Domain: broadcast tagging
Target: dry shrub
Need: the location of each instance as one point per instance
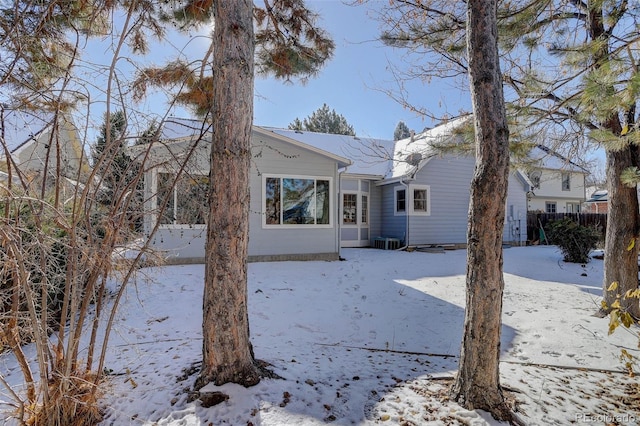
(73, 401)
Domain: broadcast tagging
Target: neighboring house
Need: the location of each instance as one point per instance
(557, 185)
(598, 202)
(37, 143)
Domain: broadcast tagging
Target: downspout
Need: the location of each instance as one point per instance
(407, 215)
(339, 218)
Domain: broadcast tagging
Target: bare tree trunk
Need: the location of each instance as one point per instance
(477, 384)
(227, 351)
(621, 248)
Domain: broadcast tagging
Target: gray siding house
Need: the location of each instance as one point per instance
(425, 201)
(294, 195)
(313, 193)
(360, 199)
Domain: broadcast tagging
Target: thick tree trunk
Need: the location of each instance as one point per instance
(227, 351)
(477, 384)
(620, 263)
(621, 256)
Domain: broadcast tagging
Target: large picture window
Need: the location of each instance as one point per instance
(185, 199)
(297, 201)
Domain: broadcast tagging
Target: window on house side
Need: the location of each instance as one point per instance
(365, 209)
(420, 200)
(401, 200)
(550, 207)
(573, 208)
(566, 181)
(297, 201)
(184, 199)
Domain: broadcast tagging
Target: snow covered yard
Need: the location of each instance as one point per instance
(373, 340)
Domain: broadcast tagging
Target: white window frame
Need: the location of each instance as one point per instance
(357, 212)
(174, 190)
(409, 207)
(549, 203)
(427, 190)
(396, 190)
(332, 199)
(572, 207)
(566, 175)
(364, 210)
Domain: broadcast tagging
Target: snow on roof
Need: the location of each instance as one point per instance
(410, 153)
(369, 156)
(547, 158)
(180, 128)
(18, 127)
(598, 196)
(175, 129)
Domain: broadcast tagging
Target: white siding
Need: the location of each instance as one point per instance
(550, 190)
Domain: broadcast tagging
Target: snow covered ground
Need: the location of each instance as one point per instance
(373, 340)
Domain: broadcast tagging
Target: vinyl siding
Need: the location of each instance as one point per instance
(448, 179)
(392, 226)
(270, 157)
(276, 158)
(375, 212)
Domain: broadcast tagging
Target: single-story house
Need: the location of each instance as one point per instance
(426, 197)
(295, 191)
(314, 193)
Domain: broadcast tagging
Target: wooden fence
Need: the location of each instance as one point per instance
(537, 220)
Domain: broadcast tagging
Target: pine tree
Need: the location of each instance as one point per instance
(287, 44)
(586, 84)
(109, 153)
(401, 132)
(477, 384)
(324, 120)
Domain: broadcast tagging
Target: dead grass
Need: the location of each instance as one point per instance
(72, 402)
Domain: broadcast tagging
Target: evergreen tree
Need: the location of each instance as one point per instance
(324, 120)
(477, 384)
(287, 44)
(109, 155)
(402, 131)
(588, 84)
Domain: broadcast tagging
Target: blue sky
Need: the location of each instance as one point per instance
(353, 83)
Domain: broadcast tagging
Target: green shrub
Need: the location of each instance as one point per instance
(574, 240)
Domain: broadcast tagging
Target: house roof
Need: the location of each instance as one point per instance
(601, 195)
(547, 158)
(175, 128)
(184, 129)
(18, 127)
(368, 156)
(411, 153)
